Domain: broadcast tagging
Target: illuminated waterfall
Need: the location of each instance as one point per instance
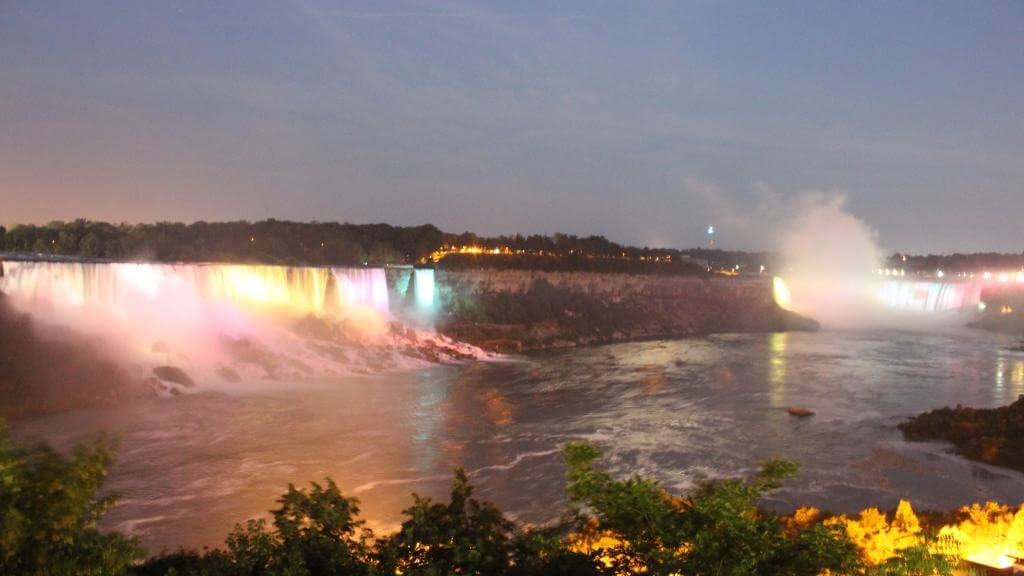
(879, 302)
(423, 280)
(362, 287)
(231, 324)
(297, 290)
(929, 297)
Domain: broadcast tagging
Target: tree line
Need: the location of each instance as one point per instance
(324, 243)
(956, 263)
(267, 241)
(331, 243)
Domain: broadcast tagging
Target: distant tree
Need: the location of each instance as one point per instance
(20, 238)
(383, 253)
(91, 246)
(43, 245)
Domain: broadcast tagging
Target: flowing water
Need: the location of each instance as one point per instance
(681, 411)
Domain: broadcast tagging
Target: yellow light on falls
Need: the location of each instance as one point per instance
(781, 292)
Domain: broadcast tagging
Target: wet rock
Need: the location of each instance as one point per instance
(799, 412)
(502, 345)
(564, 343)
(175, 375)
(989, 435)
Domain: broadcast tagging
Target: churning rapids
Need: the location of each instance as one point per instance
(190, 467)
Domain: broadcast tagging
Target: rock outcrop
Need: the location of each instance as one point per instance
(513, 310)
(994, 436)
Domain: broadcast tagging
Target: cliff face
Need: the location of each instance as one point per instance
(513, 310)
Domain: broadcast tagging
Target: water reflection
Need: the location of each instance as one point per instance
(1009, 372)
(777, 343)
(425, 418)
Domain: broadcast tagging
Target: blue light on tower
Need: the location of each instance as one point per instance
(711, 236)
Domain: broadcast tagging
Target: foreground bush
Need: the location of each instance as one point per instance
(717, 530)
(49, 506)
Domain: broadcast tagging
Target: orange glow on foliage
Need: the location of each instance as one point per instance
(988, 534)
(879, 539)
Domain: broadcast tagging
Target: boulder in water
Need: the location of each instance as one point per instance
(174, 374)
(799, 412)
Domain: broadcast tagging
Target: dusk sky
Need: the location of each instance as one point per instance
(644, 122)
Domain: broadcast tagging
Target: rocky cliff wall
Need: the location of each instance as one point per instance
(513, 310)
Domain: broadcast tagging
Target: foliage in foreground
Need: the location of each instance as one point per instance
(49, 506)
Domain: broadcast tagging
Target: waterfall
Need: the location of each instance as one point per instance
(929, 297)
(361, 287)
(296, 290)
(228, 325)
(423, 279)
(880, 302)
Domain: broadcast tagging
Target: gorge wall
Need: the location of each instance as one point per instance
(519, 310)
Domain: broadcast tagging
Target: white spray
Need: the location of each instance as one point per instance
(832, 272)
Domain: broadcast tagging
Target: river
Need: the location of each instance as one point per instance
(680, 411)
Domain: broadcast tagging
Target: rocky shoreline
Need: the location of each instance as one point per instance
(993, 436)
